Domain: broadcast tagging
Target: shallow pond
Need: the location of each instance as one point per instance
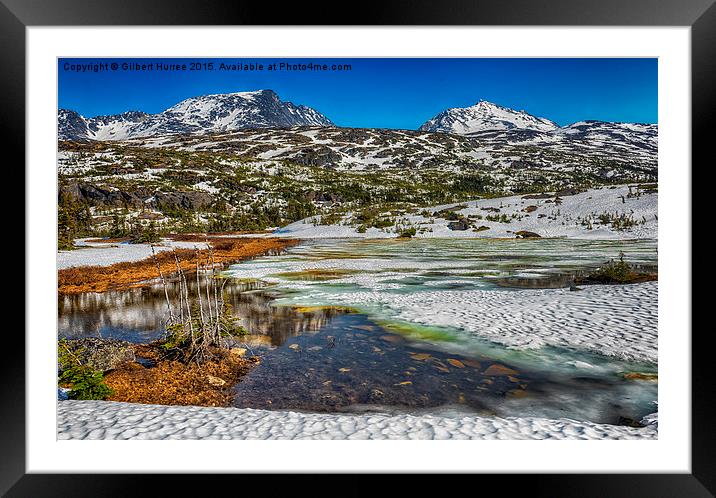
(317, 356)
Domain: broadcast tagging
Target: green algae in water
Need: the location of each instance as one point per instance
(245, 281)
(316, 275)
(418, 332)
(315, 308)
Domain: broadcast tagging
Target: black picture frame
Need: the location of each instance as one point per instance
(700, 15)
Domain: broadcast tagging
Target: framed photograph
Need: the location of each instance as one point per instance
(465, 226)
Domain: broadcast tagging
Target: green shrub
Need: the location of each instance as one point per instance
(73, 220)
(614, 272)
(85, 382)
(618, 272)
(145, 234)
(499, 218)
(382, 223)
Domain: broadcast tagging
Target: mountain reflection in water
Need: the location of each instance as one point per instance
(139, 314)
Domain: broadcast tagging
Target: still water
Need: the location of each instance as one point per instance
(317, 355)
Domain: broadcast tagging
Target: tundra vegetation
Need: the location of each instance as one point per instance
(245, 181)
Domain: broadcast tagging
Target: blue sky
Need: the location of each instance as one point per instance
(385, 93)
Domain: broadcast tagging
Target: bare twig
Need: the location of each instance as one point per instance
(164, 283)
(198, 291)
(181, 295)
(208, 294)
(202, 332)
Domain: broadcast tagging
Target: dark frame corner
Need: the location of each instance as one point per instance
(700, 15)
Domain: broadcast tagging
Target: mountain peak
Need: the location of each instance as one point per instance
(485, 116)
(486, 104)
(244, 94)
(206, 113)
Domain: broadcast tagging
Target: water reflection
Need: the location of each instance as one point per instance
(139, 314)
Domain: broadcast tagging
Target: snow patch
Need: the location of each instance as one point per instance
(112, 420)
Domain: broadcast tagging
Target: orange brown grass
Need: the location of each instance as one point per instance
(130, 274)
(175, 383)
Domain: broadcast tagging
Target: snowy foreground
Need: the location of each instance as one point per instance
(111, 420)
(577, 216)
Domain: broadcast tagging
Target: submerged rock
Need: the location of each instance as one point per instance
(498, 370)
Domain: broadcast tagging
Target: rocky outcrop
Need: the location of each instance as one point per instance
(322, 156)
(181, 200)
(95, 195)
(101, 354)
(461, 224)
(524, 234)
(538, 196)
(312, 195)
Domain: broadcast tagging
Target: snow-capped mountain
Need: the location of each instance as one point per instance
(645, 135)
(485, 117)
(207, 113)
(615, 141)
(70, 125)
(258, 126)
(503, 128)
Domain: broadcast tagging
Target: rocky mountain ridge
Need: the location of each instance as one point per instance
(206, 113)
